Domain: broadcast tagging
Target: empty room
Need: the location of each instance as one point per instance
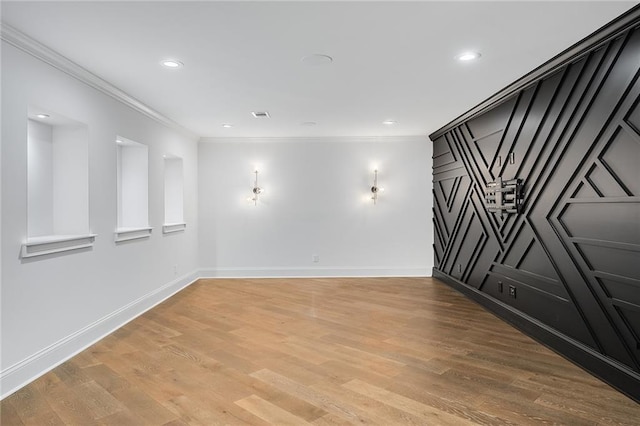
(320, 212)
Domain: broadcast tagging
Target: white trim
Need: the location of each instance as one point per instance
(64, 64)
(128, 234)
(50, 244)
(300, 272)
(34, 366)
(169, 228)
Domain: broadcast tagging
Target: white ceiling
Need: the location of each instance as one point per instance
(392, 60)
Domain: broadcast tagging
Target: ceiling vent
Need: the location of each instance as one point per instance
(260, 114)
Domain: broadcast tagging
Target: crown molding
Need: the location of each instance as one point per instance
(40, 51)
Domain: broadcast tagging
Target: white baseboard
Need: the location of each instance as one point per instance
(298, 272)
(29, 369)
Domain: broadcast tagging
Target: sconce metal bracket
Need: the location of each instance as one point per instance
(375, 189)
(256, 190)
(504, 196)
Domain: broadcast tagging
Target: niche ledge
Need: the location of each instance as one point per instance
(168, 228)
(49, 244)
(128, 234)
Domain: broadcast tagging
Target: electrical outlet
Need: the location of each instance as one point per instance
(459, 267)
(500, 289)
(175, 269)
(315, 258)
(512, 291)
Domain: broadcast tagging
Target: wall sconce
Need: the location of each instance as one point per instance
(375, 189)
(256, 190)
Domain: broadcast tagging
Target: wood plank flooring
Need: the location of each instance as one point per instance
(387, 351)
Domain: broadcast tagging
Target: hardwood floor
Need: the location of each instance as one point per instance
(317, 351)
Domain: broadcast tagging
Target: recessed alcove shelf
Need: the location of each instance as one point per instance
(133, 190)
(128, 234)
(168, 228)
(57, 184)
(40, 246)
(173, 195)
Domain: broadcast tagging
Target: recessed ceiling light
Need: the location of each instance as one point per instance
(390, 122)
(227, 125)
(42, 115)
(317, 59)
(309, 123)
(260, 114)
(468, 56)
(172, 63)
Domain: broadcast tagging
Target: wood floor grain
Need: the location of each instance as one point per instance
(387, 351)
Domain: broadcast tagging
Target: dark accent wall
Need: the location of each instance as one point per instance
(572, 256)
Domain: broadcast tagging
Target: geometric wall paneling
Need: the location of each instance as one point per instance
(438, 243)
(443, 156)
(491, 121)
(621, 158)
(481, 247)
(450, 187)
(512, 134)
(571, 253)
(615, 66)
(526, 256)
(586, 190)
(603, 232)
(469, 242)
(603, 182)
(582, 220)
(487, 148)
(633, 118)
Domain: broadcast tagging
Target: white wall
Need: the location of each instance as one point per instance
(52, 306)
(40, 178)
(316, 201)
(133, 186)
(70, 180)
(173, 190)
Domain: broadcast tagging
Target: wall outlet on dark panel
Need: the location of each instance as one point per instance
(512, 291)
(500, 289)
(459, 267)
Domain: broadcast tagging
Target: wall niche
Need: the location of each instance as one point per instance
(173, 195)
(133, 190)
(57, 184)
